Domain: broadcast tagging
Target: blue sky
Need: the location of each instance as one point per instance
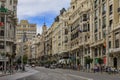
(36, 10)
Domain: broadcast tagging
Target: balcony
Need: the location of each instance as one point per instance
(116, 50)
(7, 39)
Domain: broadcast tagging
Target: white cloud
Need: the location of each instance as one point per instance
(36, 7)
(32, 8)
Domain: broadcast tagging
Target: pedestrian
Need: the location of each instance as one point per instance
(101, 68)
(95, 68)
(79, 67)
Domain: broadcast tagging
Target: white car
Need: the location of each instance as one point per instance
(33, 65)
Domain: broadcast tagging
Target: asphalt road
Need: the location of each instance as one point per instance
(53, 74)
(62, 74)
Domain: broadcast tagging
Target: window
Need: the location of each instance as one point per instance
(99, 23)
(99, 35)
(104, 50)
(80, 18)
(1, 45)
(66, 39)
(95, 3)
(2, 19)
(85, 38)
(88, 50)
(110, 9)
(24, 25)
(88, 27)
(104, 22)
(117, 43)
(110, 23)
(84, 17)
(85, 50)
(117, 37)
(96, 14)
(96, 52)
(2, 33)
(109, 44)
(96, 26)
(73, 7)
(99, 51)
(103, 9)
(85, 27)
(66, 31)
(104, 34)
(96, 37)
(59, 36)
(103, 0)
(10, 2)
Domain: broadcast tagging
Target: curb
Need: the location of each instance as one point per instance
(2, 75)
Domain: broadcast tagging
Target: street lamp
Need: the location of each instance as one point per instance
(22, 52)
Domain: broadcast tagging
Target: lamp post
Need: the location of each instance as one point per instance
(22, 52)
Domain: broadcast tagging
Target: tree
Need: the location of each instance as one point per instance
(100, 61)
(88, 60)
(2, 53)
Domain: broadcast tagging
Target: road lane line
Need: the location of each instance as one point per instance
(79, 77)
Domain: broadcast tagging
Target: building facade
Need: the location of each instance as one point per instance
(8, 23)
(24, 27)
(25, 33)
(92, 29)
(87, 29)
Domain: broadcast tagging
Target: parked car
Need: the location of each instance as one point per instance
(27, 65)
(59, 66)
(53, 66)
(47, 66)
(33, 65)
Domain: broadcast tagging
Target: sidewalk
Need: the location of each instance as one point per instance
(94, 76)
(18, 75)
(1, 74)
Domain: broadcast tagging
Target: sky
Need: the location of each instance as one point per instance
(40, 11)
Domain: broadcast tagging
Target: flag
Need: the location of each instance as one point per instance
(1, 24)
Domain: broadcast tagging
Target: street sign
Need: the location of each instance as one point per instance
(3, 9)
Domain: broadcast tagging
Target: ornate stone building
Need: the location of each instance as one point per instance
(25, 27)
(8, 23)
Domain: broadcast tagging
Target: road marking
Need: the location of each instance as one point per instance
(79, 77)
